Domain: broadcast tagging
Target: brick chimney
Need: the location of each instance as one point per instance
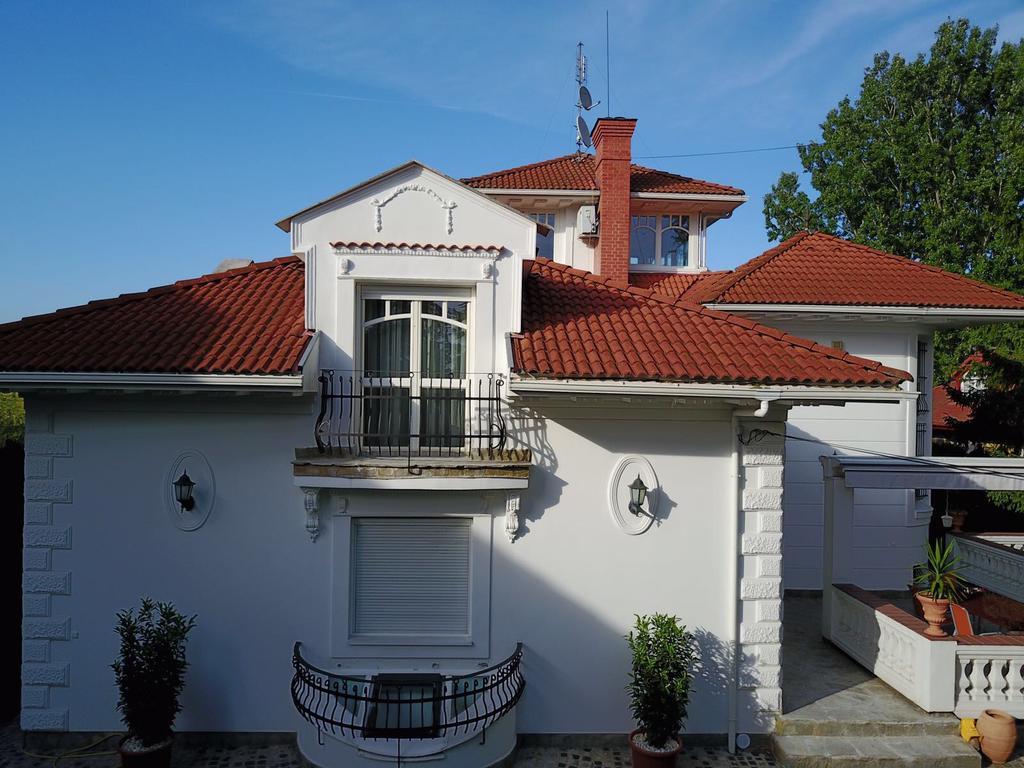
(612, 143)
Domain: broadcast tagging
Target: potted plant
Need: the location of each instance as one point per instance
(150, 673)
(664, 654)
(939, 579)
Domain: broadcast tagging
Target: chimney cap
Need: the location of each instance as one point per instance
(613, 126)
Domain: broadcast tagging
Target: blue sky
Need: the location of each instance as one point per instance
(143, 142)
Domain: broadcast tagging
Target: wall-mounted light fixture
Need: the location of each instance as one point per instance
(183, 487)
(637, 495)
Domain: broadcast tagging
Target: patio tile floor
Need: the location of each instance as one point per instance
(287, 756)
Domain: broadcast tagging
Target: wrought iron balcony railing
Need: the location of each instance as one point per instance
(410, 414)
(406, 706)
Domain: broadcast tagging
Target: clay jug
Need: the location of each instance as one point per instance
(998, 733)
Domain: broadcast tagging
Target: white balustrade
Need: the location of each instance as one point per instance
(919, 668)
(989, 677)
(990, 562)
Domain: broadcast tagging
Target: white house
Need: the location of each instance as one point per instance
(412, 441)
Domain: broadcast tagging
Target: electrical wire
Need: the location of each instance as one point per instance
(77, 752)
(757, 435)
(723, 152)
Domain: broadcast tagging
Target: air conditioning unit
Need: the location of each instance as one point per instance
(586, 221)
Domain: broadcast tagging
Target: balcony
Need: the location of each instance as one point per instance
(373, 427)
(405, 714)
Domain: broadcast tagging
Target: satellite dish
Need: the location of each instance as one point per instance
(583, 132)
(585, 100)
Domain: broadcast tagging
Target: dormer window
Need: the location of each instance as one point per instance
(659, 241)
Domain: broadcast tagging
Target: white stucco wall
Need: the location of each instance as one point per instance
(568, 587)
(889, 527)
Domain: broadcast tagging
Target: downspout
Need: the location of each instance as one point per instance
(734, 565)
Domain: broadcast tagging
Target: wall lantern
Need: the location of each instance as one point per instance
(183, 492)
(637, 495)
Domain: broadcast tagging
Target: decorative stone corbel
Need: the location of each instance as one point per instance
(488, 269)
(344, 266)
(512, 516)
(312, 504)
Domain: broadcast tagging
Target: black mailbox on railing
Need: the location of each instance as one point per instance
(410, 414)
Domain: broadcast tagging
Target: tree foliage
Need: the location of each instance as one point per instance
(927, 162)
(997, 414)
(12, 418)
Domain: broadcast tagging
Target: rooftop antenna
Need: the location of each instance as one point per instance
(584, 101)
(607, 65)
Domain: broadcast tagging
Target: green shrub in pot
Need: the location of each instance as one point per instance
(664, 655)
(150, 671)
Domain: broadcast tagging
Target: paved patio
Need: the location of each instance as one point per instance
(287, 756)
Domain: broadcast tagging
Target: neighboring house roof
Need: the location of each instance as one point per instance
(674, 284)
(813, 268)
(943, 407)
(576, 172)
(244, 321)
(577, 325)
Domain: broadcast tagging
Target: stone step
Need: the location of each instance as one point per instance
(874, 752)
(925, 725)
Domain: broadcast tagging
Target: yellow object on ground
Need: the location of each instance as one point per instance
(969, 731)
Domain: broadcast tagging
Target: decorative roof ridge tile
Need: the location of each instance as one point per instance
(690, 306)
(381, 246)
(126, 298)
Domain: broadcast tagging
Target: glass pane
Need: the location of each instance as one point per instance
(386, 417)
(432, 308)
(457, 311)
(442, 418)
(675, 245)
(442, 349)
(400, 307)
(546, 244)
(641, 241)
(374, 308)
(386, 349)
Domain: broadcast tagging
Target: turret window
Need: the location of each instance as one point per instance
(659, 241)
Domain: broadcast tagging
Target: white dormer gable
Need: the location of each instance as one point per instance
(416, 232)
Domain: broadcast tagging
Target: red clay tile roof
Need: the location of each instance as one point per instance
(365, 246)
(576, 172)
(579, 326)
(819, 269)
(674, 284)
(243, 321)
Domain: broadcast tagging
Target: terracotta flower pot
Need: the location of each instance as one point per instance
(998, 732)
(935, 613)
(959, 518)
(648, 758)
(156, 757)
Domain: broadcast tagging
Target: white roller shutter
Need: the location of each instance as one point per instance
(410, 576)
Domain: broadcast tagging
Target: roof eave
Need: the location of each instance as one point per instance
(929, 315)
(784, 393)
(23, 381)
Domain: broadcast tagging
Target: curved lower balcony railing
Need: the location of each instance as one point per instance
(415, 706)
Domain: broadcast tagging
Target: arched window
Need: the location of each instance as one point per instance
(427, 404)
(659, 241)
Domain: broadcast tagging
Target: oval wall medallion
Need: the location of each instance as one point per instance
(618, 494)
(198, 469)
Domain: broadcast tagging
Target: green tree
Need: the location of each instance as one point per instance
(927, 162)
(997, 414)
(12, 418)
(788, 209)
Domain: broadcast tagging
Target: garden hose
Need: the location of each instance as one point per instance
(77, 752)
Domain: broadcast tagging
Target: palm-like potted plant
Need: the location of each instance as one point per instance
(150, 674)
(664, 655)
(940, 582)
